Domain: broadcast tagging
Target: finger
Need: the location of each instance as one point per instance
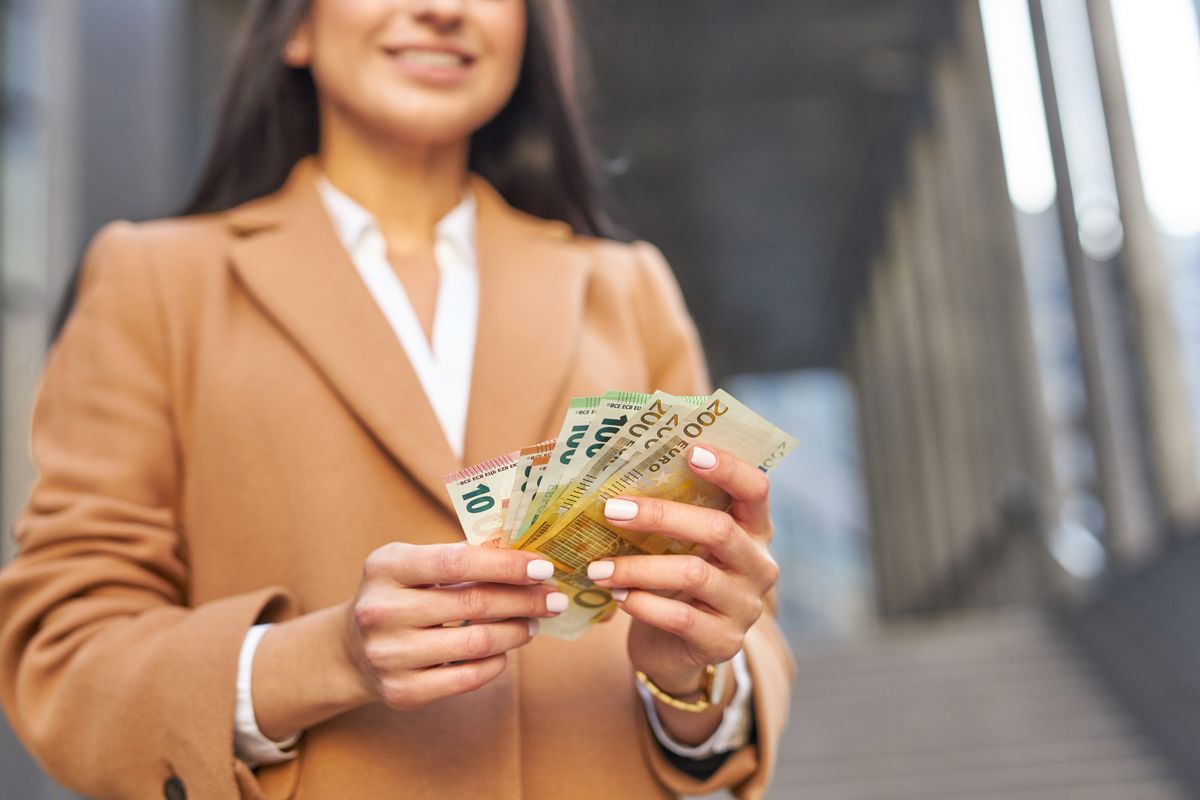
(425, 565)
(416, 689)
(747, 486)
(423, 607)
(709, 527)
(689, 574)
(488, 601)
(433, 646)
(711, 638)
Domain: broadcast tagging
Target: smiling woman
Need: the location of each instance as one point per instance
(533, 150)
(239, 572)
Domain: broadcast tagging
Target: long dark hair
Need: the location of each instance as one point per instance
(534, 151)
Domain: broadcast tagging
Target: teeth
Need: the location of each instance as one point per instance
(433, 58)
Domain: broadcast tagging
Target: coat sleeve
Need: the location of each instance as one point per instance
(677, 365)
(110, 679)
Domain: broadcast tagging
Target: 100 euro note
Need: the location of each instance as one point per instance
(608, 415)
(611, 415)
(644, 426)
(570, 445)
(582, 534)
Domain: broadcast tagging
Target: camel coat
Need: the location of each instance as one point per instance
(226, 428)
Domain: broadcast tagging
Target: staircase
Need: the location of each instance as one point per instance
(989, 706)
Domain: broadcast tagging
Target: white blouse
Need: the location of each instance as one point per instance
(443, 367)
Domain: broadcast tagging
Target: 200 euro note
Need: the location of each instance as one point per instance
(582, 534)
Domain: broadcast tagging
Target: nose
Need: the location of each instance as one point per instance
(441, 14)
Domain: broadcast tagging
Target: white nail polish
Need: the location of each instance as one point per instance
(702, 458)
(539, 570)
(601, 570)
(533, 627)
(620, 594)
(619, 509)
(556, 602)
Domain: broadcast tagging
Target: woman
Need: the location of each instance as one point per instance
(238, 562)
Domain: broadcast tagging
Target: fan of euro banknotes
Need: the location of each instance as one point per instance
(549, 497)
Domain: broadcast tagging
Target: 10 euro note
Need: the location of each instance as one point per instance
(480, 497)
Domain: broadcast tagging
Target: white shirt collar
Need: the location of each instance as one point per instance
(443, 362)
(352, 222)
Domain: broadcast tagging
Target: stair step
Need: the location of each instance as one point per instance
(950, 784)
(958, 689)
(886, 673)
(1128, 790)
(985, 707)
(962, 759)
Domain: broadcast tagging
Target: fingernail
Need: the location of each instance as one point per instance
(533, 627)
(539, 570)
(556, 602)
(704, 459)
(601, 570)
(620, 594)
(620, 509)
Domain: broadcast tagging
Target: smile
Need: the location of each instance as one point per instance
(439, 66)
(432, 58)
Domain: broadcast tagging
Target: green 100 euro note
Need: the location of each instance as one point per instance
(571, 531)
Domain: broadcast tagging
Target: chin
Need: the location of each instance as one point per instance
(431, 121)
(430, 130)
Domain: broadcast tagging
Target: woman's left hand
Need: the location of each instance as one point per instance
(693, 610)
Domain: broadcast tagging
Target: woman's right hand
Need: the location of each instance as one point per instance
(405, 631)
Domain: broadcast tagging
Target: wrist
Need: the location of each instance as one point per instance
(680, 684)
(352, 675)
(688, 715)
(301, 675)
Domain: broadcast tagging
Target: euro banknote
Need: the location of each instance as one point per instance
(634, 445)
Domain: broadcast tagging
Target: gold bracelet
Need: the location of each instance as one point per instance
(696, 706)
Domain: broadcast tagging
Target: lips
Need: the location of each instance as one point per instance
(436, 57)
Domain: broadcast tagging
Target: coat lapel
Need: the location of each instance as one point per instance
(290, 260)
(532, 286)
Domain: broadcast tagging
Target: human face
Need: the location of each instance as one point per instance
(426, 72)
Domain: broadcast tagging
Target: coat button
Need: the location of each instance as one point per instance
(173, 789)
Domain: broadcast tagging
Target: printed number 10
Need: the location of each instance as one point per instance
(478, 499)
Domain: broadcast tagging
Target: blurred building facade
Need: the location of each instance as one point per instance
(1020, 373)
(927, 236)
